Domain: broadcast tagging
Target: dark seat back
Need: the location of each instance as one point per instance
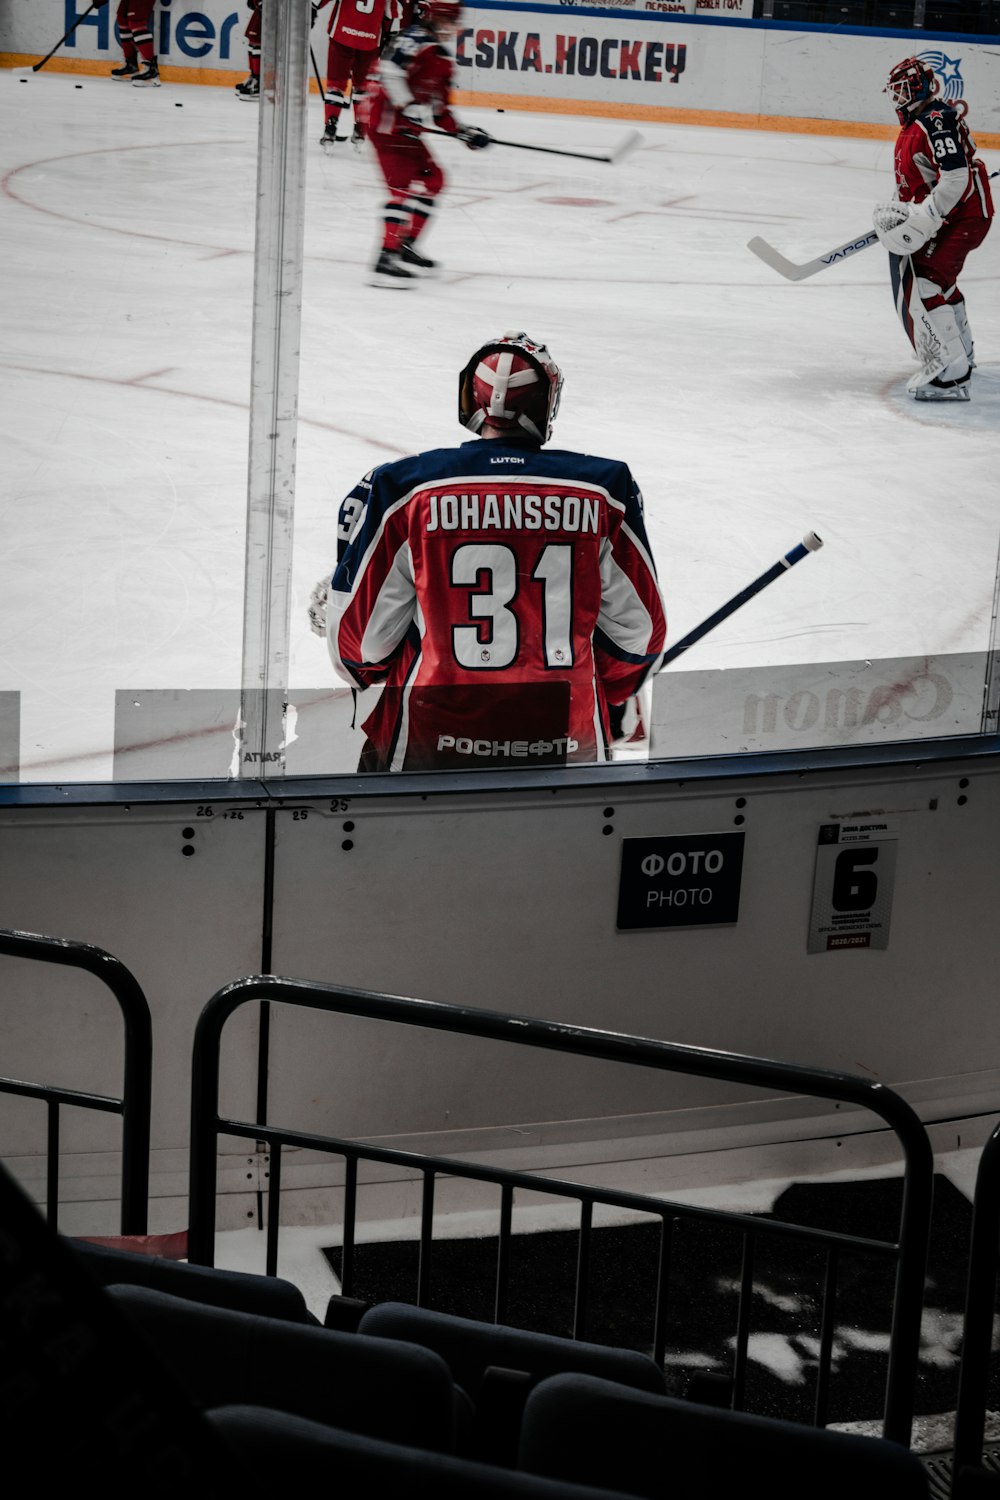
(584, 1430)
(469, 1348)
(267, 1295)
(378, 1388)
(284, 1450)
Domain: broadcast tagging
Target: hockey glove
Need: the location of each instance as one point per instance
(317, 607)
(905, 228)
(474, 138)
(415, 116)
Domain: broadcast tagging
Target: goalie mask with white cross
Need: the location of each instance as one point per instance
(513, 384)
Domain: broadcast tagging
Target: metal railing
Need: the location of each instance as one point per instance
(908, 1251)
(980, 1306)
(134, 1102)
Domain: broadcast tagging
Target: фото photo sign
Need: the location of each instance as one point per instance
(682, 880)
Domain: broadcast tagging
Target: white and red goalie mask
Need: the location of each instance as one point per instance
(911, 83)
(514, 384)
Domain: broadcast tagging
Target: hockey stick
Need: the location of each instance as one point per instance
(628, 143)
(96, 6)
(792, 272)
(809, 543)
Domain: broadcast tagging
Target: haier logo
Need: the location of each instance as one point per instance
(949, 74)
(179, 34)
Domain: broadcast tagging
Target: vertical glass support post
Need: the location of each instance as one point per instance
(991, 687)
(274, 380)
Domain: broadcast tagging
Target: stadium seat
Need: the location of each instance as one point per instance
(584, 1430)
(269, 1296)
(497, 1366)
(286, 1451)
(377, 1388)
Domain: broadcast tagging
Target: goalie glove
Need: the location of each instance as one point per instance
(317, 607)
(474, 138)
(905, 228)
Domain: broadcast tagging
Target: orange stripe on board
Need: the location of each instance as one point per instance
(654, 114)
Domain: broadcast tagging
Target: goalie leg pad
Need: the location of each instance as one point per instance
(964, 332)
(946, 368)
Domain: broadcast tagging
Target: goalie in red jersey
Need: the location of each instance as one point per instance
(412, 89)
(943, 209)
(503, 593)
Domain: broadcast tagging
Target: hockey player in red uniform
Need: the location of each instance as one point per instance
(135, 27)
(412, 88)
(250, 87)
(943, 209)
(357, 30)
(502, 593)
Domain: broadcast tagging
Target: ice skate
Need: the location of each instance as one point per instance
(358, 138)
(147, 78)
(249, 89)
(330, 140)
(127, 70)
(942, 390)
(389, 271)
(411, 256)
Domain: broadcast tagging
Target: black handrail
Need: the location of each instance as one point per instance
(137, 1081)
(980, 1301)
(914, 1228)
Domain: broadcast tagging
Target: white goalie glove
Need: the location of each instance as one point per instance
(317, 607)
(905, 228)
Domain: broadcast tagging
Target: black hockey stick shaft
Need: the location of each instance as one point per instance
(96, 6)
(810, 543)
(319, 81)
(524, 146)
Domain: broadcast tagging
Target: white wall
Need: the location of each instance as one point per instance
(396, 893)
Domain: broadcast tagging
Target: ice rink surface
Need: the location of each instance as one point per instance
(751, 409)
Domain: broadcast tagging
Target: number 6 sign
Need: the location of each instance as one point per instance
(852, 886)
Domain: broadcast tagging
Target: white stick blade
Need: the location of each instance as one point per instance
(625, 145)
(775, 260)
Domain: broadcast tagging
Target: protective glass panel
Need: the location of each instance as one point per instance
(750, 409)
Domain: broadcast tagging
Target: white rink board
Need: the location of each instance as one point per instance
(813, 704)
(633, 60)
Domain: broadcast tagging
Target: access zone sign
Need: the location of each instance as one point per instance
(852, 886)
(688, 880)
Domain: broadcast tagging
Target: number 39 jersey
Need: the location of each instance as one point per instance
(935, 153)
(504, 594)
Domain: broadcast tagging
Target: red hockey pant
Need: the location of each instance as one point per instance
(346, 65)
(941, 261)
(252, 35)
(135, 27)
(414, 180)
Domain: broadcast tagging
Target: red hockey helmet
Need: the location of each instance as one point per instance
(911, 83)
(439, 12)
(513, 383)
